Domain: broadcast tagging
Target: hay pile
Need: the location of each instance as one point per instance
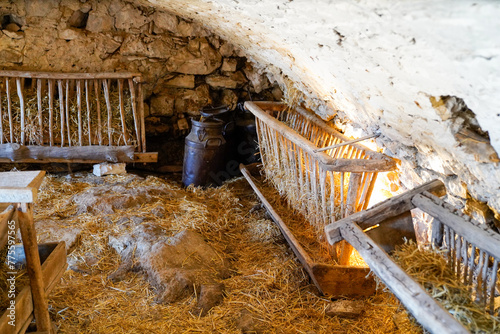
(32, 130)
(267, 292)
(430, 268)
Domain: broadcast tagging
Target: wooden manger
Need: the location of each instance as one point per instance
(324, 185)
(72, 117)
(472, 251)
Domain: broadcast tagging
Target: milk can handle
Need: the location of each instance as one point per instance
(218, 139)
(202, 134)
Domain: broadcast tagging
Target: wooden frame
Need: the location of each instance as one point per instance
(75, 95)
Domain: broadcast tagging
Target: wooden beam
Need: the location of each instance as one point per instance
(420, 304)
(69, 76)
(479, 235)
(5, 217)
(17, 153)
(349, 142)
(391, 207)
(146, 157)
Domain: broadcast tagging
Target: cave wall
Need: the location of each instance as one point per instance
(424, 74)
(185, 67)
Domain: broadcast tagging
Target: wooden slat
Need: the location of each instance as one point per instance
(108, 106)
(39, 105)
(133, 102)
(97, 89)
(9, 109)
(67, 113)
(51, 111)
(141, 114)
(79, 107)
(61, 109)
(420, 304)
(122, 112)
(87, 102)
(22, 116)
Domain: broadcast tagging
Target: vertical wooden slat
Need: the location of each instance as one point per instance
(133, 102)
(437, 233)
(9, 109)
(369, 191)
(458, 257)
(67, 112)
(471, 266)
(1, 117)
(39, 104)
(21, 103)
(479, 279)
(465, 257)
(447, 240)
(493, 283)
(141, 114)
(122, 112)
(97, 90)
(485, 277)
(51, 110)
(87, 102)
(108, 106)
(79, 106)
(61, 109)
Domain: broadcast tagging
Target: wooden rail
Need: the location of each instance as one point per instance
(72, 110)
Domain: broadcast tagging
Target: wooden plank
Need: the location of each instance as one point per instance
(146, 157)
(69, 76)
(17, 153)
(122, 112)
(52, 268)
(479, 235)
(391, 207)
(33, 267)
(21, 103)
(67, 112)
(141, 115)
(97, 89)
(420, 304)
(344, 281)
(87, 103)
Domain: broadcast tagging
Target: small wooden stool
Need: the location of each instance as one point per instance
(22, 188)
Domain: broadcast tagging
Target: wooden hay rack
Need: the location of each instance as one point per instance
(72, 117)
(323, 185)
(472, 251)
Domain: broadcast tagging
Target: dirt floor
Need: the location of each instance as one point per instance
(265, 291)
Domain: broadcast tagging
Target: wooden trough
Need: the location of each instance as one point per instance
(472, 251)
(332, 280)
(320, 171)
(72, 117)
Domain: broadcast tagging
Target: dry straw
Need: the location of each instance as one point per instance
(430, 268)
(267, 281)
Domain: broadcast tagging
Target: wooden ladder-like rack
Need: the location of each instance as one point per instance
(72, 117)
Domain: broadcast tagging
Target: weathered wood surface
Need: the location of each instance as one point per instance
(349, 142)
(389, 208)
(66, 76)
(326, 161)
(18, 153)
(420, 304)
(331, 280)
(53, 269)
(33, 267)
(20, 187)
(21, 104)
(479, 235)
(393, 231)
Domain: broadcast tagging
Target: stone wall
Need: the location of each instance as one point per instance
(185, 67)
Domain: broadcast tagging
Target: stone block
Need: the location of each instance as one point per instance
(70, 34)
(138, 46)
(12, 27)
(229, 98)
(235, 80)
(164, 22)
(108, 169)
(78, 19)
(202, 60)
(229, 65)
(181, 81)
(190, 29)
(162, 104)
(191, 101)
(130, 18)
(345, 309)
(226, 50)
(99, 23)
(259, 81)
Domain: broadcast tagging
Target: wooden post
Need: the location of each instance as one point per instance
(61, 109)
(9, 110)
(88, 110)
(344, 249)
(133, 101)
(141, 114)
(1, 119)
(79, 106)
(122, 112)
(51, 111)
(21, 102)
(108, 107)
(33, 267)
(39, 103)
(97, 90)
